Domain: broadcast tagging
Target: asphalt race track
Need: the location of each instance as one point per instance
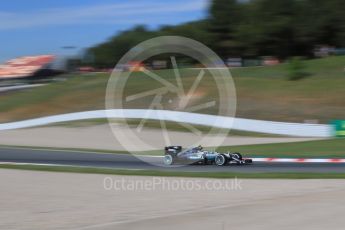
(126, 161)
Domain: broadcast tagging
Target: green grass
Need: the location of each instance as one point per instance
(220, 175)
(312, 149)
(262, 93)
(78, 93)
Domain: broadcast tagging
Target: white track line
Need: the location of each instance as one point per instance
(281, 128)
(23, 163)
(60, 165)
(299, 160)
(19, 87)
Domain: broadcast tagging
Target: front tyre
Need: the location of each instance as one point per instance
(220, 160)
(237, 157)
(168, 160)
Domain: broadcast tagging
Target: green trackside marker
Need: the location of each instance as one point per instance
(339, 128)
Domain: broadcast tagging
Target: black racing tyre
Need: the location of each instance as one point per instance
(168, 160)
(221, 160)
(237, 155)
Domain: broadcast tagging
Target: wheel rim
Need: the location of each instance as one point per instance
(220, 160)
(168, 160)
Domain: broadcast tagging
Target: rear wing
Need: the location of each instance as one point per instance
(172, 150)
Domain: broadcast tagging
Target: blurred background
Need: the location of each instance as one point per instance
(287, 61)
(286, 56)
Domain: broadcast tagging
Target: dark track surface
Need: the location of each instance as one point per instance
(125, 161)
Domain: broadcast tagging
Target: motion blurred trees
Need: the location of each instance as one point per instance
(110, 52)
(224, 18)
(251, 28)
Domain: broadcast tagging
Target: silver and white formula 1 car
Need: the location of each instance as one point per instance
(196, 155)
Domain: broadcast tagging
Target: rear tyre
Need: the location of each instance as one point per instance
(168, 160)
(220, 160)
